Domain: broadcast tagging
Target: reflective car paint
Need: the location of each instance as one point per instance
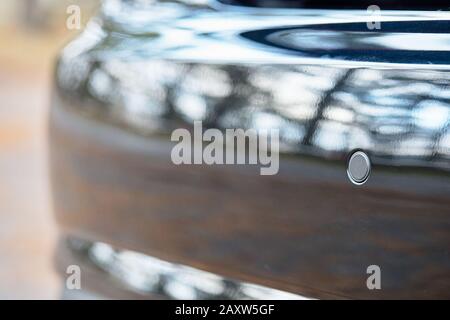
(134, 76)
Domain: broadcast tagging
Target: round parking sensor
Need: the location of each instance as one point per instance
(358, 169)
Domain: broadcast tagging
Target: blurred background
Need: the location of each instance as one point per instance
(31, 34)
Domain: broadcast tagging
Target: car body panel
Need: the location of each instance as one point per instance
(127, 82)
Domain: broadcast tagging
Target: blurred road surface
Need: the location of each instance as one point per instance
(27, 230)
